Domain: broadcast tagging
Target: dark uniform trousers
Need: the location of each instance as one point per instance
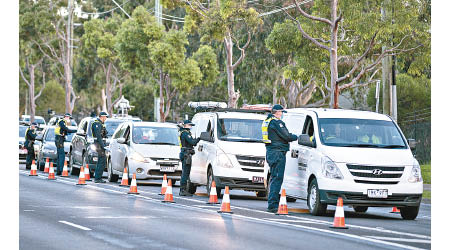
(186, 160)
(59, 142)
(30, 156)
(100, 162)
(277, 162)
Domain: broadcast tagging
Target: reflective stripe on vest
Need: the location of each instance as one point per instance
(264, 128)
(58, 128)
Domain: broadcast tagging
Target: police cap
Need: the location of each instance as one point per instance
(278, 107)
(34, 124)
(67, 115)
(103, 113)
(188, 122)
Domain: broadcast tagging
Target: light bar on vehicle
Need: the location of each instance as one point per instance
(207, 104)
(263, 107)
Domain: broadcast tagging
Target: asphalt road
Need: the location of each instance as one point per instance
(61, 215)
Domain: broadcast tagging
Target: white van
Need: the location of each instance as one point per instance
(231, 151)
(360, 156)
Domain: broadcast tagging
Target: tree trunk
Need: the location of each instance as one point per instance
(161, 96)
(274, 92)
(333, 57)
(31, 94)
(68, 86)
(104, 97)
(109, 105)
(232, 95)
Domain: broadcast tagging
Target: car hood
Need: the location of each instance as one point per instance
(51, 145)
(243, 148)
(157, 151)
(369, 156)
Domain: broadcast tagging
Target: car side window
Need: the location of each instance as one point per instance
(81, 127)
(126, 134)
(117, 133)
(308, 128)
(194, 129)
(202, 126)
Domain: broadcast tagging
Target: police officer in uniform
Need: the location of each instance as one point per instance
(187, 150)
(30, 136)
(99, 132)
(276, 138)
(61, 131)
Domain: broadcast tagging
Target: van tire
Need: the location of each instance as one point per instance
(317, 208)
(409, 213)
(360, 209)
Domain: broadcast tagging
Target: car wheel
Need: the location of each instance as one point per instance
(209, 183)
(409, 213)
(191, 187)
(40, 166)
(360, 209)
(314, 204)
(111, 177)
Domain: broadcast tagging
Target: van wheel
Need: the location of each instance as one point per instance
(409, 213)
(360, 209)
(111, 177)
(209, 183)
(314, 204)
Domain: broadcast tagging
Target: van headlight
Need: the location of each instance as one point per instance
(330, 169)
(416, 174)
(138, 157)
(223, 160)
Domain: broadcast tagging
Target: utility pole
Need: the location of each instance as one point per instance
(394, 85)
(386, 73)
(68, 60)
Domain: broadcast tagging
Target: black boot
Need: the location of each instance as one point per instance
(184, 192)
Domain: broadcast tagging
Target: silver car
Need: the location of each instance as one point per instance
(47, 147)
(149, 149)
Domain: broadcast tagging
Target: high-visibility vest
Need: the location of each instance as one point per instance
(58, 128)
(264, 128)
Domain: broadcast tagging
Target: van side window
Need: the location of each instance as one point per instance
(294, 123)
(309, 127)
(202, 126)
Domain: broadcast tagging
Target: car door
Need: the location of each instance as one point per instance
(123, 149)
(77, 146)
(294, 123)
(305, 156)
(114, 146)
(206, 149)
(198, 158)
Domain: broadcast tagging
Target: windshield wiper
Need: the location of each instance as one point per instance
(358, 145)
(158, 143)
(392, 146)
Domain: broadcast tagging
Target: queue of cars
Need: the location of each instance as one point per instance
(360, 156)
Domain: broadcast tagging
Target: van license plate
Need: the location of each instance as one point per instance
(167, 169)
(258, 179)
(377, 193)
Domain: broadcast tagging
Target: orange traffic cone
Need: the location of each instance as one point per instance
(124, 178)
(164, 185)
(65, 172)
(87, 173)
(213, 194)
(81, 180)
(225, 208)
(51, 172)
(168, 196)
(339, 220)
(282, 207)
(395, 210)
(33, 171)
(46, 166)
(133, 187)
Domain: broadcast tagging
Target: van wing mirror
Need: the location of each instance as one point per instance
(121, 140)
(412, 144)
(205, 136)
(305, 140)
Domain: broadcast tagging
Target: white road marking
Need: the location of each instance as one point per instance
(273, 222)
(28, 210)
(120, 217)
(400, 239)
(299, 221)
(75, 225)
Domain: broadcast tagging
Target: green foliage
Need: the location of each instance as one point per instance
(141, 97)
(426, 173)
(207, 61)
(51, 97)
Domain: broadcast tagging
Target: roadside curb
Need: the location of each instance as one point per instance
(426, 200)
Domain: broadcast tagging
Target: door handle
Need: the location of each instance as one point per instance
(200, 148)
(294, 153)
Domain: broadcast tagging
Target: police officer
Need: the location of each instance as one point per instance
(99, 132)
(30, 136)
(276, 138)
(61, 131)
(187, 150)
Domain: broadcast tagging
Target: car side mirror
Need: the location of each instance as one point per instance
(305, 140)
(121, 140)
(206, 136)
(412, 144)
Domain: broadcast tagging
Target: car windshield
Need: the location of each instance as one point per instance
(243, 130)
(155, 135)
(51, 135)
(37, 120)
(22, 130)
(346, 132)
(111, 127)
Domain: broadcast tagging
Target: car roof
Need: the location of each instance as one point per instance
(154, 124)
(341, 113)
(235, 115)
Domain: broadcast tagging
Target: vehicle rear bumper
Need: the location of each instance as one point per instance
(358, 198)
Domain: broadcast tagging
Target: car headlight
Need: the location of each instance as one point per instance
(48, 151)
(330, 169)
(93, 147)
(416, 174)
(223, 160)
(138, 157)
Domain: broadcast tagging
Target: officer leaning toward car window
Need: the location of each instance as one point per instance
(99, 133)
(276, 138)
(187, 150)
(30, 136)
(61, 131)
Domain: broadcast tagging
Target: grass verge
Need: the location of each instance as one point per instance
(426, 173)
